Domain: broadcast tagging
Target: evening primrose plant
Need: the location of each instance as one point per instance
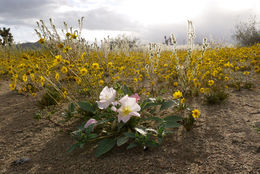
(123, 118)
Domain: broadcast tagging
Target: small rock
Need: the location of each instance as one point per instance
(258, 150)
(20, 161)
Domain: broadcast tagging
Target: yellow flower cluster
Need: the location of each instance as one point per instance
(73, 71)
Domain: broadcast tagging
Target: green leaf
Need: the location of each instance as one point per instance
(172, 125)
(81, 145)
(71, 107)
(160, 140)
(72, 148)
(126, 90)
(166, 105)
(157, 119)
(86, 106)
(152, 144)
(173, 118)
(132, 145)
(119, 127)
(148, 105)
(90, 128)
(92, 136)
(129, 134)
(122, 140)
(104, 146)
(163, 91)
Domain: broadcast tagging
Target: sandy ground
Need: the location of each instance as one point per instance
(223, 141)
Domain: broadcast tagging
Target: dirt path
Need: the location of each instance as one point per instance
(223, 142)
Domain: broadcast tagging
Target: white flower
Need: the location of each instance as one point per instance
(152, 99)
(141, 131)
(107, 96)
(128, 108)
(113, 108)
(144, 132)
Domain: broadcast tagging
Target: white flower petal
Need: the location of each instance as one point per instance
(123, 118)
(128, 108)
(136, 108)
(124, 99)
(115, 103)
(151, 130)
(141, 131)
(113, 108)
(102, 105)
(135, 114)
(107, 96)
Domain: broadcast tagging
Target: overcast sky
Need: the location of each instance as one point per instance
(148, 20)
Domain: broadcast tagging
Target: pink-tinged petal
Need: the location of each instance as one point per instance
(136, 96)
(113, 108)
(135, 114)
(89, 122)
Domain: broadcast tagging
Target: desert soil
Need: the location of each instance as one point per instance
(223, 141)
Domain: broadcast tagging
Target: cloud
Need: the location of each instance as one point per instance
(24, 12)
(107, 16)
(215, 24)
(102, 19)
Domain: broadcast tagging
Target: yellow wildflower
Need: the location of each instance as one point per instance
(177, 95)
(42, 80)
(246, 73)
(210, 82)
(68, 34)
(78, 80)
(60, 45)
(64, 69)
(83, 71)
(95, 66)
(110, 64)
(101, 82)
(29, 87)
(41, 41)
(12, 86)
(73, 36)
(32, 77)
(65, 93)
(25, 78)
(195, 113)
(182, 100)
(57, 76)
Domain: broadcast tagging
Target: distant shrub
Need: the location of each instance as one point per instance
(216, 98)
(50, 97)
(6, 37)
(247, 33)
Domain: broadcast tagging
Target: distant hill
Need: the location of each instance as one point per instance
(29, 45)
